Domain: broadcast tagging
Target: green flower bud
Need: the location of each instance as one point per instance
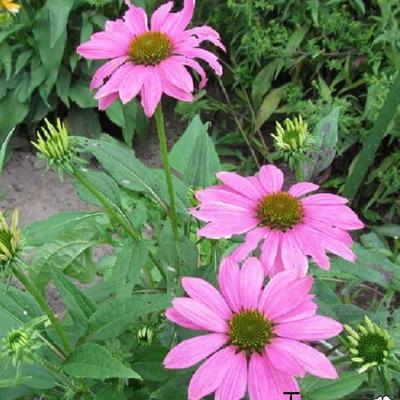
(20, 345)
(56, 147)
(292, 136)
(145, 336)
(369, 344)
(10, 242)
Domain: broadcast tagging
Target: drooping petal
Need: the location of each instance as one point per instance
(174, 316)
(292, 254)
(310, 329)
(179, 21)
(106, 101)
(251, 280)
(191, 351)
(200, 315)
(302, 188)
(313, 361)
(175, 72)
(151, 91)
(283, 361)
(324, 199)
(210, 58)
(172, 91)
(105, 71)
(233, 386)
(271, 178)
(198, 68)
(269, 250)
(304, 310)
(228, 281)
(206, 33)
(115, 83)
(250, 244)
(211, 373)
(205, 293)
(133, 83)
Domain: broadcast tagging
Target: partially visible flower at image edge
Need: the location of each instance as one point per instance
(150, 61)
(255, 344)
(10, 5)
(286, 226)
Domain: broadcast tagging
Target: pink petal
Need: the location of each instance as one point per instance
(223, 195)
(324, 199)
(214, 211)
(210, 58)
(217, 230)
(198, 68)
(115, 83)
(283, 361)
(174, 316)
(240, 184)
(300, 189)
(233, 386)
(251, 280)
(267, 383)
(192, 351)
(151, 91)
(250, 244)
(159, 16)
(292, 295)
(105, 71)
(306, 309)
(171, 90)
(200, 315)
(310, 359)
(133, 83)
(206, 33)
(106, 101)
(310, 329)
(136, 20)
(271, 178)
(102, 47)
(181, 19)
(228, 281)
(211, 374)
(175, 72)
(292, 255)
(269, 250)
(205, 293)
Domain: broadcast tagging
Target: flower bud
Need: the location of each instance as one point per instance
(10, 242)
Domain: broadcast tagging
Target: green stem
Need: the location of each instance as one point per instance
(117, 215)
(298, 171)
(34, 291)
(167, 168)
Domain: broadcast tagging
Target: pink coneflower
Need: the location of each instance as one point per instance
(256, 335)
(150, 61)
(286, 226)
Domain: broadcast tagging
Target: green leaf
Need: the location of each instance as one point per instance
(174, 389)
(331, 390)
(22, 61)
(263, 80)
(371, 145)
(3, 149)
(114, 317)
(50, 229)
(94, 361)
(63, 84)
(104, 184)
(12, 113)
(269, 105)
(326, 136)
(16, 308)
(120, 162)
(58, 14)
(127, 270)
(80, 306)
(194, 155)
(80, 94)
(6, 58)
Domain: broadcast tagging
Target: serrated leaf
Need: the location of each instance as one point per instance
(114, 317)
(94, 361)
